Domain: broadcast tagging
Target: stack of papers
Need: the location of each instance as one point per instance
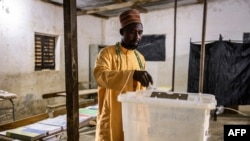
(50, 126)
(7, 95)
(87, 114)
(60, 121)
(89, 111)
(26, 134)
(49, 129)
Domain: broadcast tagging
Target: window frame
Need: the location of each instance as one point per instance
(45, 52)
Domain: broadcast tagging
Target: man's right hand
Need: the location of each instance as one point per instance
(143, 77)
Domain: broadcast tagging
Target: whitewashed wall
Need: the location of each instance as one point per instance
(90, 31)
(20, 20)
(230, 18)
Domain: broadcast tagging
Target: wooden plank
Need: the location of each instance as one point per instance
(23, 122)
(51, 95)
(120, 5)
(81, 92)
(81, 105)
(107, 7)
(37, 118)
(40, 117)
(63, 93)
(57, 105)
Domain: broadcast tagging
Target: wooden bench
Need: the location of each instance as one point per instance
(4, 95)
(82, 94)
(52, 107)
(37, 118)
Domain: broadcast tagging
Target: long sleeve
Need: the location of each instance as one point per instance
(108, 73)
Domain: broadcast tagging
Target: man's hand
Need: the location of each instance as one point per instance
(143, 77)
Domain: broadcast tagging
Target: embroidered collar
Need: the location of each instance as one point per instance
(118, 52)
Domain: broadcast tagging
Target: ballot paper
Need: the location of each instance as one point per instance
(60, 121)
(49, 129)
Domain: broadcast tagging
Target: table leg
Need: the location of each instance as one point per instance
(13, 109)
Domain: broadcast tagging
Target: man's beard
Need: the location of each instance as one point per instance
(131, 46)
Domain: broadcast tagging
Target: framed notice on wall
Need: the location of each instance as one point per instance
(153, 47)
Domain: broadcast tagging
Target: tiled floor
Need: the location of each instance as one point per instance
(215, 128)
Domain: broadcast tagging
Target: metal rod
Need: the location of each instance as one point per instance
(202, 52)
(13, 109)
(174, 47)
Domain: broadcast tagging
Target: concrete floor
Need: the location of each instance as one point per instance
(216, 128)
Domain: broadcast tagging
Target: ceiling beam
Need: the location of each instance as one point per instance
(132, 4)
(121, 4)
(106, 8)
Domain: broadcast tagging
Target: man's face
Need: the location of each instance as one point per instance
(132, 34)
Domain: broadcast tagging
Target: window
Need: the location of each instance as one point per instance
(44, 52)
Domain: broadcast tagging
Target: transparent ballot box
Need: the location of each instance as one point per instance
(150, 115)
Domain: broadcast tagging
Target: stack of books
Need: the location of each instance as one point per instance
(39, 129)
(59, 121)
(25, 133)
(87, 114)
(51, 126)
(90, 111)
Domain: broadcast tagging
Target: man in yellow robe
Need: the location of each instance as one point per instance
(118, 69)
